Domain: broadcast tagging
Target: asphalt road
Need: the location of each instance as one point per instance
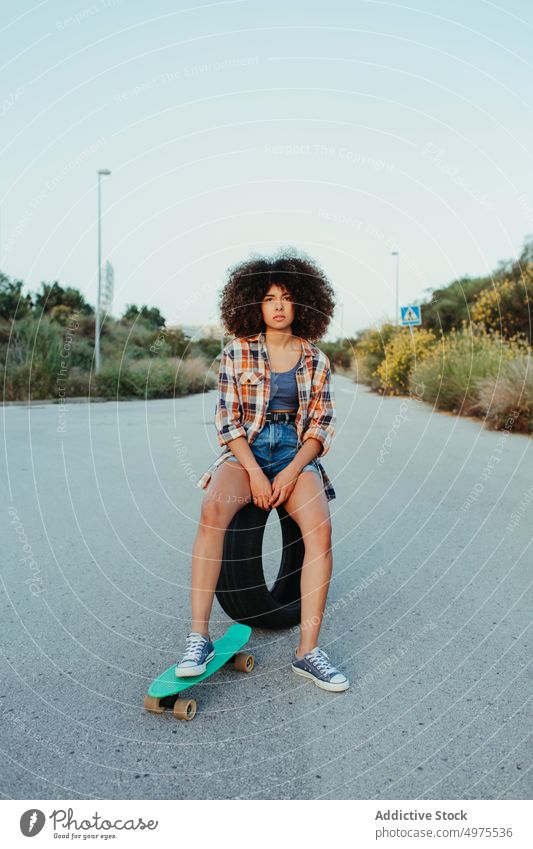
(428, 613)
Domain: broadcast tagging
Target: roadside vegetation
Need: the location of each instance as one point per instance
(47, 350)
(472, 353)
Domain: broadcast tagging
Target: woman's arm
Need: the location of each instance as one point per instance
(310, 449)
(321, 412)
(228, 419)
(240, 448)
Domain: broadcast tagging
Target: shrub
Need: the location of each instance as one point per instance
(340, 354)
(32, 358)
(152, 378)
(61, 314)
(451, 374)
(39, 340)
(506, 307)
(125, 341)
(193, 376)
(507, 401)
(27, 381)
(5, 334)
(403, 351)
(87, 326)
(369, 353)
(208, 348)
(82, 354)
(78, 383)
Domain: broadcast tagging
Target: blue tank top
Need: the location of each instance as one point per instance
(284, 390)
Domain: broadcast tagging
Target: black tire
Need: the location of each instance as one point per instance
(241, 589)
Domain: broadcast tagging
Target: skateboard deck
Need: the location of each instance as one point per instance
(164, 691)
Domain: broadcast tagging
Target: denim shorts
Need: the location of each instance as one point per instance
(275, 446)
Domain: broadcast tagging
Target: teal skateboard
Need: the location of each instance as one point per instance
(163, 693)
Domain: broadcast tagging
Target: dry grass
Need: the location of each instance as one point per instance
(507, 401)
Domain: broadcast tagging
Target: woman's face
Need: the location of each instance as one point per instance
(278, 308)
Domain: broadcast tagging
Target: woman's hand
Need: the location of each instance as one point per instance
(261, 488)
(282, 485)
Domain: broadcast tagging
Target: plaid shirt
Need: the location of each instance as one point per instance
(244, 392)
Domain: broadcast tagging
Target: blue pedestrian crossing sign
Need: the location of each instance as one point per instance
(411, 315)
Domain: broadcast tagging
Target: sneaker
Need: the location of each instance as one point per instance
(198, 652)
(316, 666)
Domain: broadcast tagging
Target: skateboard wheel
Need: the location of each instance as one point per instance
(184, 709)
(244, 662)
(151, 703)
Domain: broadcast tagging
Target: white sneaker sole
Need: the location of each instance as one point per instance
(324, 685)
(192, 671)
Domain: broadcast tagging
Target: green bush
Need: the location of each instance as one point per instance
(27, 381)
(209, 349)
(87, 325)
(114, 380)
(369, 353)
(82, 354)
(123, 340)
(451, 374)
(5, 333)
(152, 378)
(403, 352)
(37, 351)
(32, 358)
(78, 383)
(39, 340)
(506, 307)
(340, 353)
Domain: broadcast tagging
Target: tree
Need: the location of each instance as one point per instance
(13, 304)
(340, 352)
(148, 315)
(454, 304)
(55, 296)
(506, 308)
(208, 348)
(450, 306)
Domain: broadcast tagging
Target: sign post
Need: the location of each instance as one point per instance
(411, 316)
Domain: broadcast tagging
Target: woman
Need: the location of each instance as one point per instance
(275, 416)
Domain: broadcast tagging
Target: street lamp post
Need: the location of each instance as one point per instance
(104, 172)
(397, 255)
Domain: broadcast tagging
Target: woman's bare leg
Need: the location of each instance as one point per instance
(308, 506)
(227, 492)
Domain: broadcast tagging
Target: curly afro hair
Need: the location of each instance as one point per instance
(249, 281)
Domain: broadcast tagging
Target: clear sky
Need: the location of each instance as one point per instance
(344, 129)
